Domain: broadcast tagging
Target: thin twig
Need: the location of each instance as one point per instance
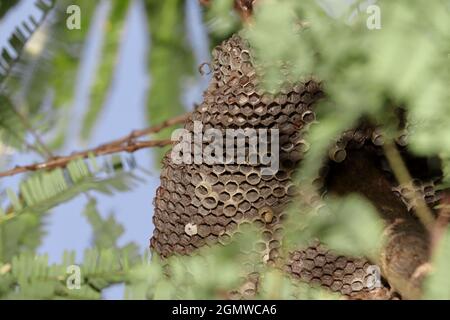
(61, 162)
(144, 132)
(27, 145)
(404, 178)
(124, 144)
(47, 152)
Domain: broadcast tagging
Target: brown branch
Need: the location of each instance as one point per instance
(61, 162)
(124, 144)
(406, 241)
(155, 129)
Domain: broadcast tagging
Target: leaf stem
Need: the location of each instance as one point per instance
(404, 178)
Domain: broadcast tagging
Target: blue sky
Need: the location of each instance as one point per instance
(124, 111)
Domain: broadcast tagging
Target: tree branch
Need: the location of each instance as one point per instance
(155, 129)
(125, 144)
(406, 240)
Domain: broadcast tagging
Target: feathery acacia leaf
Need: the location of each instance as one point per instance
(6, 5)
(19, 38)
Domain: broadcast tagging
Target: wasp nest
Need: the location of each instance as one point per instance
(349, 276)
(199, 204)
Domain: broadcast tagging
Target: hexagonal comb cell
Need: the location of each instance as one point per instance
(317, 265)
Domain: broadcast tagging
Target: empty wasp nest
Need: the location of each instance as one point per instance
(201, 204)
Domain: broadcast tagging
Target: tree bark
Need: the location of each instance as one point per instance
(406, 243)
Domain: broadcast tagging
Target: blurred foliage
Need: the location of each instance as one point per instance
(170, 61)
(5, 5)
(34, 278)
(275, 285)
(47, 71)
(347, 225)
(19, 37)
(222, 21)
(22, 221)
(445, 157)
(367, 73)
(12, 132)
(437, 284)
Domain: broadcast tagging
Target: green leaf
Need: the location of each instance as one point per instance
(222, 20)
(350, 226)
(437, 284)
(21, 234)
(106, 232)
(18, 39)
(278, 286)
(38, 82)
(6, 5)
(170, 62)
(12, 132)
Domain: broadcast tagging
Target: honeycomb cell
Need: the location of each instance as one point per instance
(230, 209)
(337, 154)
(231, 186)
(336, 285)
(252, 195)
(350, 268)
(320, 260)
(211, 201)
(190, 229)
(244, 206)
(202, 189)
(346, 289)
(357, 286)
